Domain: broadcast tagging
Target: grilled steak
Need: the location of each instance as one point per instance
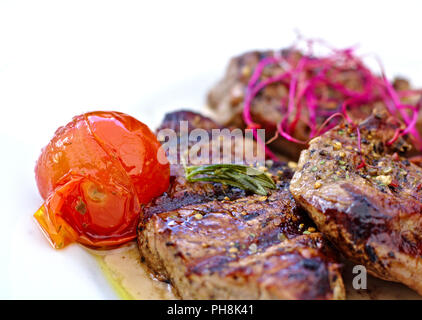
(212, 241)
(372, 213)
(269, 107)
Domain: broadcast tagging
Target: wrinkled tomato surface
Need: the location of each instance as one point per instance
(94, 176)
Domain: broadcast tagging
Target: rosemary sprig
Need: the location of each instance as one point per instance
(236, 175)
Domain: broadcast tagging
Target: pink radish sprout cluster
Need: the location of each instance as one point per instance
(304, 78)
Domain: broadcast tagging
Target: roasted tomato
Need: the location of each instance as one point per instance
(94, 176)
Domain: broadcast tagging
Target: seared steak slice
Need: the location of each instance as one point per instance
(226, 98)
(217, 242)
(372, 213)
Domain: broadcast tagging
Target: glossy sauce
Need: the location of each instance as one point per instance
(130, 279)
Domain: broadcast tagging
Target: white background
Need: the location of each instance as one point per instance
(62, 58)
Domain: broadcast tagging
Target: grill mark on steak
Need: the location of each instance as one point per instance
(372, 214)
(182, 193)
(217, 242)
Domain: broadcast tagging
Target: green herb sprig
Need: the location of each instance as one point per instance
(236, 175)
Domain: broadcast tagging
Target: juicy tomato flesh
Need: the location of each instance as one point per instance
(94, 176)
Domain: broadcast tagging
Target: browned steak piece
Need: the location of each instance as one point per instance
(196, 121)
(226, 99)
(217, 242)
(372, 214)
(227, 96)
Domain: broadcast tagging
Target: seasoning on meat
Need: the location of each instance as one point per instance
(372, 213)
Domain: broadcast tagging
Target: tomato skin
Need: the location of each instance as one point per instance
(94, 175)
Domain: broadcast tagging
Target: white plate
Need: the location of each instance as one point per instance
(60, 59)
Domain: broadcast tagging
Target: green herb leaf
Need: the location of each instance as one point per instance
(236, 175)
